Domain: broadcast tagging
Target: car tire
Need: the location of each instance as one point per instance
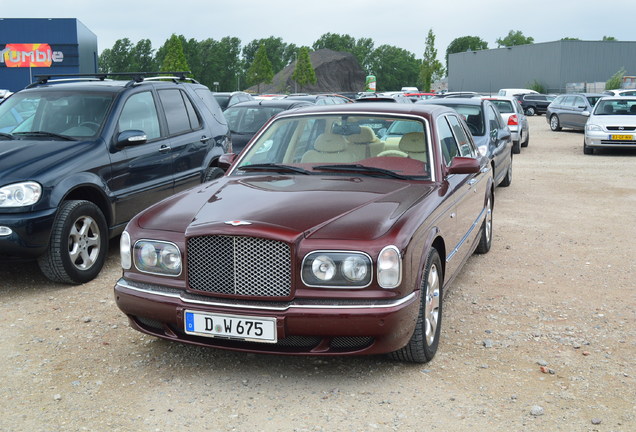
(587, 150)
(213, 173)
(555, 124)
(507, 180)
(79, 244)
(516, 147)
(485, 237)
(422, 346)
(530, 111)
(527, 141)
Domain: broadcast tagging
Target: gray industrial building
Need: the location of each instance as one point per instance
(560, 66)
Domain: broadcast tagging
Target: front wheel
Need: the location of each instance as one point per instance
(485, 239)
(78, 245)
(422, 346)
(555, 125)
(587, 150)
(507, 180)
(212, 173)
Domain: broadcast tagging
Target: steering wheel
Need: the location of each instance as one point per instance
(90, 124)
(394, 153)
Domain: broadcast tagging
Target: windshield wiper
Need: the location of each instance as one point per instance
(361, 169)
(6, 135)
(274, 167)
(45, 134)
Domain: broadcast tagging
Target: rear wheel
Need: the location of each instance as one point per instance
(508, 178)
(555, 125)
(485, 240)
(423, 343)
(530, 111)
(78, 245)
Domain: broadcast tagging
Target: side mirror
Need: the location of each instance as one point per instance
(586, 113)
(504, 134)
(226, 160)
(130, 137)
(464, 165)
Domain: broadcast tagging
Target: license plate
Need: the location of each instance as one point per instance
(241, 327)
(622, 137)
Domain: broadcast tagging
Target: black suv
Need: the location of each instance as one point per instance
(534, 103)
(80, 156)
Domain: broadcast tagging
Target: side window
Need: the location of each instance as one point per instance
(579, 102)
(140, 113)
(180, 113)
(493, 119)
(465, 146)
(568, 101)
(447, 140)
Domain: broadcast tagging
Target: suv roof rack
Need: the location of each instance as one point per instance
(135, 77)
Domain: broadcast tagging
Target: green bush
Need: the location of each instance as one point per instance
(616, 80)
(537, 86)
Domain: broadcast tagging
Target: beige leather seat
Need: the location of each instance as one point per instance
(414, 145)
(328, 147)
(364, 144)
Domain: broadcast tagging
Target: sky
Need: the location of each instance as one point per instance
(400, 23)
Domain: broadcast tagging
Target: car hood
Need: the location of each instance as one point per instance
(613, 120)
(289, 206)
(28, 159)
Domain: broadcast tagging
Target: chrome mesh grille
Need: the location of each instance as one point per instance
(242, 266)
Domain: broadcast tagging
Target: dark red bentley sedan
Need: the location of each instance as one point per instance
(323, 237)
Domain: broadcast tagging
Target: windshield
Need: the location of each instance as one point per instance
(322, 143)
(616, 107)
(66, 113)
(248, 120)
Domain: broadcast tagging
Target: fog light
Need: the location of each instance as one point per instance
(5, 231)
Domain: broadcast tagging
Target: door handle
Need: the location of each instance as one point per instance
(165, 148)
(472, 182)
(205, 139)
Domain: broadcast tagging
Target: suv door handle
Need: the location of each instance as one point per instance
(165, 148)
(205, 139)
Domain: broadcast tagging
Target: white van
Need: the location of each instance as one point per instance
(514, 91)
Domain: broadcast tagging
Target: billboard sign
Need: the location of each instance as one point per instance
(29, 55)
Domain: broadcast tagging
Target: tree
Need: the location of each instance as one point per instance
(261, 69)
(277, 53)
(175, 59)
(430, 67)
(394, 67)
(570, 38)
(616, 80)
(118, 58)
(514, 38)
(610, 38)
(465, 43)
(143, 57)
(304, 72)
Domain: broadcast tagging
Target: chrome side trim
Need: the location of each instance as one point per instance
(183, 296)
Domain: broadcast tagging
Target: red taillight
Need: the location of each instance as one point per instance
(513, 120)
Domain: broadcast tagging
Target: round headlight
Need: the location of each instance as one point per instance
(355, 268)
(323, 268)
(147, 255)
(170, 259)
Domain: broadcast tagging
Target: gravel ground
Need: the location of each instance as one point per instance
(538, 335)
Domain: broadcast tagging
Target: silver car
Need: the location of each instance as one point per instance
(513, 115)
(612, 123)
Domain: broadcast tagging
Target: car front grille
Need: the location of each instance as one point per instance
(621, 128)
(240, 266)
(618, 142)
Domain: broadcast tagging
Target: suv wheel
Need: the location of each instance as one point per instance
(79, 244)
(530, 111)
(212, 173)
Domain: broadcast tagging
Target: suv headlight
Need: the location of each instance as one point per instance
(157, 257)
(332, 269)
(20, 194)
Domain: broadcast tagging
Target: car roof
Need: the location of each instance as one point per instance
(273, 103)
(381, 108)
(452, 101)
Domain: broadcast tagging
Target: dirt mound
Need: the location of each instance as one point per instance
(335, 72)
